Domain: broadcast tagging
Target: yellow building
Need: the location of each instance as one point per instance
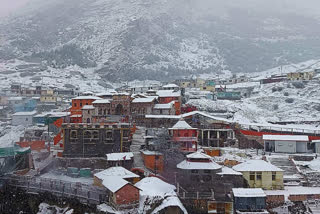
(48, 98)
(300, 76)
(208, 88)
(261, 174)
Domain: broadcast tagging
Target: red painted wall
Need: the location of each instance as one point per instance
(127, 195)
(76, 107)
(34, 145)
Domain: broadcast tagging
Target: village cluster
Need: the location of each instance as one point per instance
(141, 149)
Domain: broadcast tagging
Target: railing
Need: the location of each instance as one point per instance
(84, 193)
(185, 139)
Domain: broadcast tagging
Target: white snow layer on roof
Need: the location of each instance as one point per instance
(294, 190)
(87, 107)
(164, 106)
(248, 192)
(211, 165)
(168, 93)
(315, 165)
(181, 124)
(153, 186)
(169, 202)
(119, 156)
(102, 101)
(198, 155)
(256, 166)
(228, 171)
(87, 98)
(170, 86)
(26, 113)
(116, 171)
(11, 134)
(143, 100)
(286, 137)
(114, 183)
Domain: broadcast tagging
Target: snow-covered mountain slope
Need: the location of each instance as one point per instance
(276, 102)
(146, 39)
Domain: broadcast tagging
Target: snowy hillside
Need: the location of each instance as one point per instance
(145, 39)
(275, 102)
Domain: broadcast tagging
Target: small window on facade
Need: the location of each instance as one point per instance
(87, 135)
(259, 175)
(96, 135)
(109, 135)
(157, 157)
(74, 134)
(252, 176)
(26, 119)
(88, 111)
(195, 171)
(207, 171)
(75, 105)
(274, 176)
(80, 104)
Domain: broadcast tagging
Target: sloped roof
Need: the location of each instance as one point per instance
(211, 165)
(168, 93)
(25, 113)
(181, 124)
(248, 192)
(117, 171)
(102, 101)
(143, 100)
(114, 183)
(286, 137)
(153, 186)
(198, 155)
(228, 171)
(119, 156)
(170, 86)
(256, 166)
(87, 107)
(86, 98)
(164, 106)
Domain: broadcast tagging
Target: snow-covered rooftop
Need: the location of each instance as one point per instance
(87, 107)
(153, 186)
(114, 183)
(87, 98)
(256, 166)
(143, 100)
(168, 93)
(116, 171)
(211, 165)
(164, 106)
(181, 124)
(26, 113)
(119, 156)
(248, 192)
(228, 171)
(170, 86)
(102, 101)
(198, 155)
(286, 137)
(171, 201)
(154, 116)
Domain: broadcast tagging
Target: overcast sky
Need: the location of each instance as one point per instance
(8, 6)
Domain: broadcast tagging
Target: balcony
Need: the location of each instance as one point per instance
(185, 139)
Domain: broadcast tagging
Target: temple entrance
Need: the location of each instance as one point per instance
(119, 109)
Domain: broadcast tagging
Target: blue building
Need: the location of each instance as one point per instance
(25, 105)
(249, 200)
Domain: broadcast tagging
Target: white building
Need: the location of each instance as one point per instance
(286, 143)
(23, 118)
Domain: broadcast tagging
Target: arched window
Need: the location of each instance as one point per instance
(100, 111)
(87, 135)
(88, 120)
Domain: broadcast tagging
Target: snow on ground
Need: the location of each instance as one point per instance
(10, 134)
(45, 208)
(315, 165)
(284, 101)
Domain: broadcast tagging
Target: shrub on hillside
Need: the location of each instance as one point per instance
(286, 94)
(298, 84)
(289, 100)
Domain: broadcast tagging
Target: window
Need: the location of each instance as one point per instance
(75, 105)
(195, 171)
(207, 171)
(252, 176)
(87, 135)
(109, 135)
(73, 134)
(88, 111)
(259, 176)
(27, 119)
(157, 157)
(80, 104)
(95, 134)
(274, 176)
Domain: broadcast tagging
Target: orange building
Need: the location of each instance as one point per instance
(183, 134)
(152, 160)
(167, 96)
(79, 102)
